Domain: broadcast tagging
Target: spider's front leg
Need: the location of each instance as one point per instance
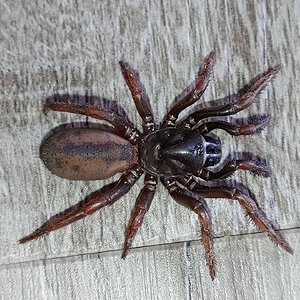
(187, 98)
(198, 205)
(249, 204)
(141, 207)
(252, 125)
(107, 195)
(246, 162)
(245, 97)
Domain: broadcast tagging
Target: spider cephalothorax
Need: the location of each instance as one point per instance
(175, 152)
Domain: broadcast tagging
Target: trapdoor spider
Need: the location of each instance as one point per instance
(178, 153)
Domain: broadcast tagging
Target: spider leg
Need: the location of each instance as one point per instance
(251, 207)
(141, 207)
(139, 96)
(253, 125)
(198, 205)
(245, 97)
(93, 108)
(107, 195)
(184, 100)
(254, 164)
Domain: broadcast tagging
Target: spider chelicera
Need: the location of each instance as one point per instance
(178, 153)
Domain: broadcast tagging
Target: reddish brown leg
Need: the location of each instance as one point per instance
(245, 97)
(139, 96)
(198, 205)
(253, 125)
(141, 207)
(95, 108)
(255, 165)
(249, 205)
(95, 201)
(186, 99)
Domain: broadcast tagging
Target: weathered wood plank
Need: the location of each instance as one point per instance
(248, 268)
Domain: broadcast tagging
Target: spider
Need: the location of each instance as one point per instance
(181, 154)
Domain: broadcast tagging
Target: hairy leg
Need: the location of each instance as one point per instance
(141, 207)
(101, 109)
(253, 125)
(251, 207)
(253, 164)
(198, 205)
(245, 97)
(186, 99)
(107, 195)
(139, 96)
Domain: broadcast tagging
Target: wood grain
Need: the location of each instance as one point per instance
(74, 47)
(258, 270)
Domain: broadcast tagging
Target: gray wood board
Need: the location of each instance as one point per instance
(249, 268)
(74, 47)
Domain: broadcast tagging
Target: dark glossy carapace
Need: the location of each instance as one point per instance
(177, 151)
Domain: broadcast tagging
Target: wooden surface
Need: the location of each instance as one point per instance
(74, 47)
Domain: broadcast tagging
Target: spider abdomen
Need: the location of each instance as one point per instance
(177, 151)
(87, 154)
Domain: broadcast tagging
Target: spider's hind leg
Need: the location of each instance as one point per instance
(107, 195)
(94, 107)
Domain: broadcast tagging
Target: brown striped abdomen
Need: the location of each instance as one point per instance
(87, 153)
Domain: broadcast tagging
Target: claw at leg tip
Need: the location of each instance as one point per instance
(25, 239)
(212, 274)
(46, 109)
(288, 249)
(124, 253)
